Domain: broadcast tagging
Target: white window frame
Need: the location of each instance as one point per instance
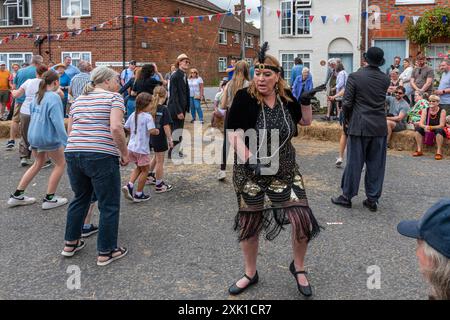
(409, 2)
(225, 63)
(237, 38)
(249, 44)
(26, 19)
(435, 60)
(303, 3)
(283, 18)
(223, 32)
(71, 53)
(295, 7)
(303, 19)
(65, 15)
(10, 61)
(306, 57)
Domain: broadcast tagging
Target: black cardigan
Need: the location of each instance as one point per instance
(244, 111)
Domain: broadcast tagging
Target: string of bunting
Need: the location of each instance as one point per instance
(390, 17)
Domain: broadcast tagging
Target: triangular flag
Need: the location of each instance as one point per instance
(66, 35)
(219, 15)
(136, 19)
(229, 13)
(415, 19)
(402, 18)
(389, 16)
(259, 9)
(278, 13)
(38, 37)
(376, 15)
(365, 15)
(145, 19)
(102, 26)
(163, 19)
(200, 18)
(324, 19)
(444, 19)
(155, 19)
(347, 18)
(172, 19)
(269, 11)
(94, 28)
(249, 11)
(311, 18)
(110, 23)
(58, 37)
(191, 19)
(1, 41)
(17, 35)
(210, 17)
(238, 12)
(336, 18)
(182, 19)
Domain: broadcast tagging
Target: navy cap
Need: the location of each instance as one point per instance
(433, 227)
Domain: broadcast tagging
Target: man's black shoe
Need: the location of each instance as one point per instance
(372, 206)
(342, 201)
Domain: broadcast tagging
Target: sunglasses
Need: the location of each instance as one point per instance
(399, 93)
(434, 101)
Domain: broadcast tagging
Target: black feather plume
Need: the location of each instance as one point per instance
(262, 52)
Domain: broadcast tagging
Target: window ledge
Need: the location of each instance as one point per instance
(74, 17)
(17, 26)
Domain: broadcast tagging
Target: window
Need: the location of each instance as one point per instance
(75, 8)
(222, 36)
(15, 13)
(414, 1)
(222, 64)
(15, 57)
(287, 62)
(249, 42)
(295, 21)
(237, 38)
(435, 53)
(77, 57)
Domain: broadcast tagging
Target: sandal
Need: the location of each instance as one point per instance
(438, 156)
(418, 154)
(75, 248)
(111, 258)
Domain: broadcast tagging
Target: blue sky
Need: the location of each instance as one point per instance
(226, 4)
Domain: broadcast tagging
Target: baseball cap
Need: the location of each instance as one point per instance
(433, 227)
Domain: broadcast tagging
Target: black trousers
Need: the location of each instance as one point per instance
(372, 152)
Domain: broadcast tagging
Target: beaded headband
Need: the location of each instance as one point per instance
(262, 58)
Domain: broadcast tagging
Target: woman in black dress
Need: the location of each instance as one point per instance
(268, 185)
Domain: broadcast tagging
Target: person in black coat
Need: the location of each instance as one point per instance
(179, 101)
(365, 122)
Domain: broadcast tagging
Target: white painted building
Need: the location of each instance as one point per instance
(293, 35)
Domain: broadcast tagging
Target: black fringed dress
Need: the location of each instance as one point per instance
(270, 202)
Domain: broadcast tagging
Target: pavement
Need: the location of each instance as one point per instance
(182, 245)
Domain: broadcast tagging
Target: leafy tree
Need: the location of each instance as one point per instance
(430, 26)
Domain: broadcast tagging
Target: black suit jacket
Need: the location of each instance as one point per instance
(364, 102)
(179, 99)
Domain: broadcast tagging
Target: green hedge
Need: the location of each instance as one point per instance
(429, 27)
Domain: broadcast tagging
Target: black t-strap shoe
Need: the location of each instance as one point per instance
(235, 290)
(304, 290)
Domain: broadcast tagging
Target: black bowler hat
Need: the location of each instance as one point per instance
(375, 57)
(433, 227)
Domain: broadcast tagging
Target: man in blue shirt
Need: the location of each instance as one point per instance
(71, 71)
(230, 69)
(444, 85)
(296, 70)
(128, 73)
(22, 76)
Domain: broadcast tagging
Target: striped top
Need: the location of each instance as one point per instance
(78, 83)
(91, 130)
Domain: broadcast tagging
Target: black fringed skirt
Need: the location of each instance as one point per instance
(269, 203)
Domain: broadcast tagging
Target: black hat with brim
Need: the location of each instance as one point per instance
(375, 57)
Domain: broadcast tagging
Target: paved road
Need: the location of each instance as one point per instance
(182, 245)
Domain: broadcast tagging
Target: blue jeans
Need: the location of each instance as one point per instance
(196, 107)
(91, 172)
(131, 106)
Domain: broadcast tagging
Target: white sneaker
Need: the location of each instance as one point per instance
(20, 201)
(55, 203)
(25, 162)
(339, 162)
(221, 175)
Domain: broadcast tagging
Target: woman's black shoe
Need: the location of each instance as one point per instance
(235, 290)
(304, 290)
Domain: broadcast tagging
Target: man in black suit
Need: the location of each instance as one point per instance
(364, 110)
(179, 98)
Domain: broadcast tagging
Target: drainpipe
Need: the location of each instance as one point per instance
(367, 26)
(123, 35)
(49, 32)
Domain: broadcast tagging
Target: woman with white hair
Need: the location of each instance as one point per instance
(432, 232)
(96, 148)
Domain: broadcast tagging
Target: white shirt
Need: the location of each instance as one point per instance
(140, 140)
(194, 86)
(405, 77)
(31, 88)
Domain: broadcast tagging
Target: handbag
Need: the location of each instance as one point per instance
(429, 136)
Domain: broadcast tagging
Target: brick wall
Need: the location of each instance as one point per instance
(394, 29)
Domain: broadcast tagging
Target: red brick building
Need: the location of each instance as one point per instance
(141, 40)
(391, 35)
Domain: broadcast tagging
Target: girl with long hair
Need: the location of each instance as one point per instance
(47, 138)
(162, 142)
(197, 94)
(141, 125)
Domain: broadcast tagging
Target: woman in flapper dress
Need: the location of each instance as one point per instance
(267, 180)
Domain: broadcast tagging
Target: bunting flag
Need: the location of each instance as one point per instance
(259, 9)
(172, 20)
(376, 15)
(155, 19)
(389, 16)
(210, 17)
(347, 18)
(145, 19)
(415, 19)
(219, 15)
(229, 13)
(278, 13)
(269, 12)
(136, 20)
(163, 19)
(324, 19)
(336, 19)
(182, 19)
(444, 19)
(402, 18)
(365, 15)
(191, 19)
(311, 18)
(200, 18)
(238, 13)
(249, 11)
